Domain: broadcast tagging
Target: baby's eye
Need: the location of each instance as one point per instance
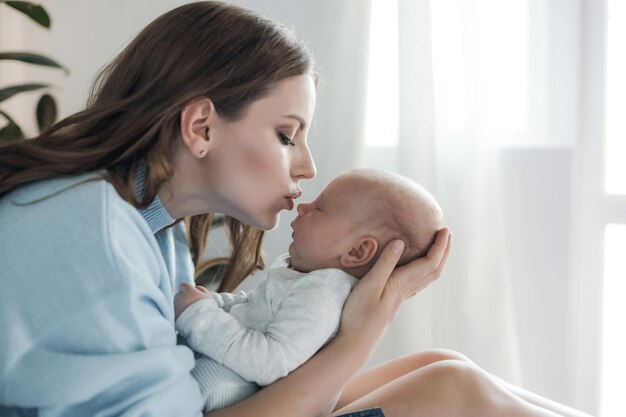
(284, 139)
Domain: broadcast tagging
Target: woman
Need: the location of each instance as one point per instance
(207, 110)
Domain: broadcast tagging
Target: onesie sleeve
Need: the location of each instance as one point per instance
(227, 300)
(87, 315)
(307, 317)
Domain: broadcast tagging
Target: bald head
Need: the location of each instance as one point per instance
(391, 206)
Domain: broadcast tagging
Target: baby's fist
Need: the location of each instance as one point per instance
(188, 295)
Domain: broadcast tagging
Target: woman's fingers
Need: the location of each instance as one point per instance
(383, 268)
(444, 259)
(438, 250)
(381, 291)
(418, 274)
(366, 306)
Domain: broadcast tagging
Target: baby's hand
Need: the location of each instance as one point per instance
(188, 294)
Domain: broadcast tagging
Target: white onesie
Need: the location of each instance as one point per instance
(252, 339)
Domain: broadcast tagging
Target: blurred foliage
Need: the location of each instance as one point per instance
(46, 111)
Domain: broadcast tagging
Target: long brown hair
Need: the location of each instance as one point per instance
(213, 49)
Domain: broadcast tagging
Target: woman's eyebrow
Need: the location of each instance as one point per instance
(297, 118)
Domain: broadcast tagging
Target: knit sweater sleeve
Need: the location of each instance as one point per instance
(306, 317)
(86, 311)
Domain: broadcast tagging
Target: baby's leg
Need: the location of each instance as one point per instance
(378, 376)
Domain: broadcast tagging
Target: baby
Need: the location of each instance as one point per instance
(250, 340)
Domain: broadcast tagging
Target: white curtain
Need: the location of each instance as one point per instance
(489, 96)
(445, 144)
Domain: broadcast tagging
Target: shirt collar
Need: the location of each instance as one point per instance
(155, 214)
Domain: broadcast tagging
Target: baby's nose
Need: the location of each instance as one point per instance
(302, 208)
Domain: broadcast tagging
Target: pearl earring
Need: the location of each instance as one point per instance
(202, 153)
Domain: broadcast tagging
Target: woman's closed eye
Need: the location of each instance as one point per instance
(285, 140)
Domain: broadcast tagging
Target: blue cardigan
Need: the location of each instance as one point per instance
(86, 304)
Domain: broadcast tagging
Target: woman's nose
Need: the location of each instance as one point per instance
(304, 166)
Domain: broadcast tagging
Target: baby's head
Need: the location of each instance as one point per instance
(356, 215)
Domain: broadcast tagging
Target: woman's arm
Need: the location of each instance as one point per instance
(313, 388)
(85, 310)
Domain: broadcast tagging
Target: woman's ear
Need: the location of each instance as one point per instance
(361, 253)
(195, 126)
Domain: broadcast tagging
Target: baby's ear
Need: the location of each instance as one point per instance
(361, 253)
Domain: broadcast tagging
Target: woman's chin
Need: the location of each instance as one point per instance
(267, 224)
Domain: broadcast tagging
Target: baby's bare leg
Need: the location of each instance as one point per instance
(447, 388)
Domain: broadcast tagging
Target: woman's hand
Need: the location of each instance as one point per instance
(375, 300)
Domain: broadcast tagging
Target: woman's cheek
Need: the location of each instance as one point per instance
(259, 162)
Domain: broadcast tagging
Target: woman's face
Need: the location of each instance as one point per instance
(254, 165)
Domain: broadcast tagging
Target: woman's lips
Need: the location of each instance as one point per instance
(291, 199)
(296, 195)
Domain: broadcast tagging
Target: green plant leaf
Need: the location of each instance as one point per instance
(36, 12)
(46, 112)
(6, 116)
(32, 58)
(8, 92)
(11, 131)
